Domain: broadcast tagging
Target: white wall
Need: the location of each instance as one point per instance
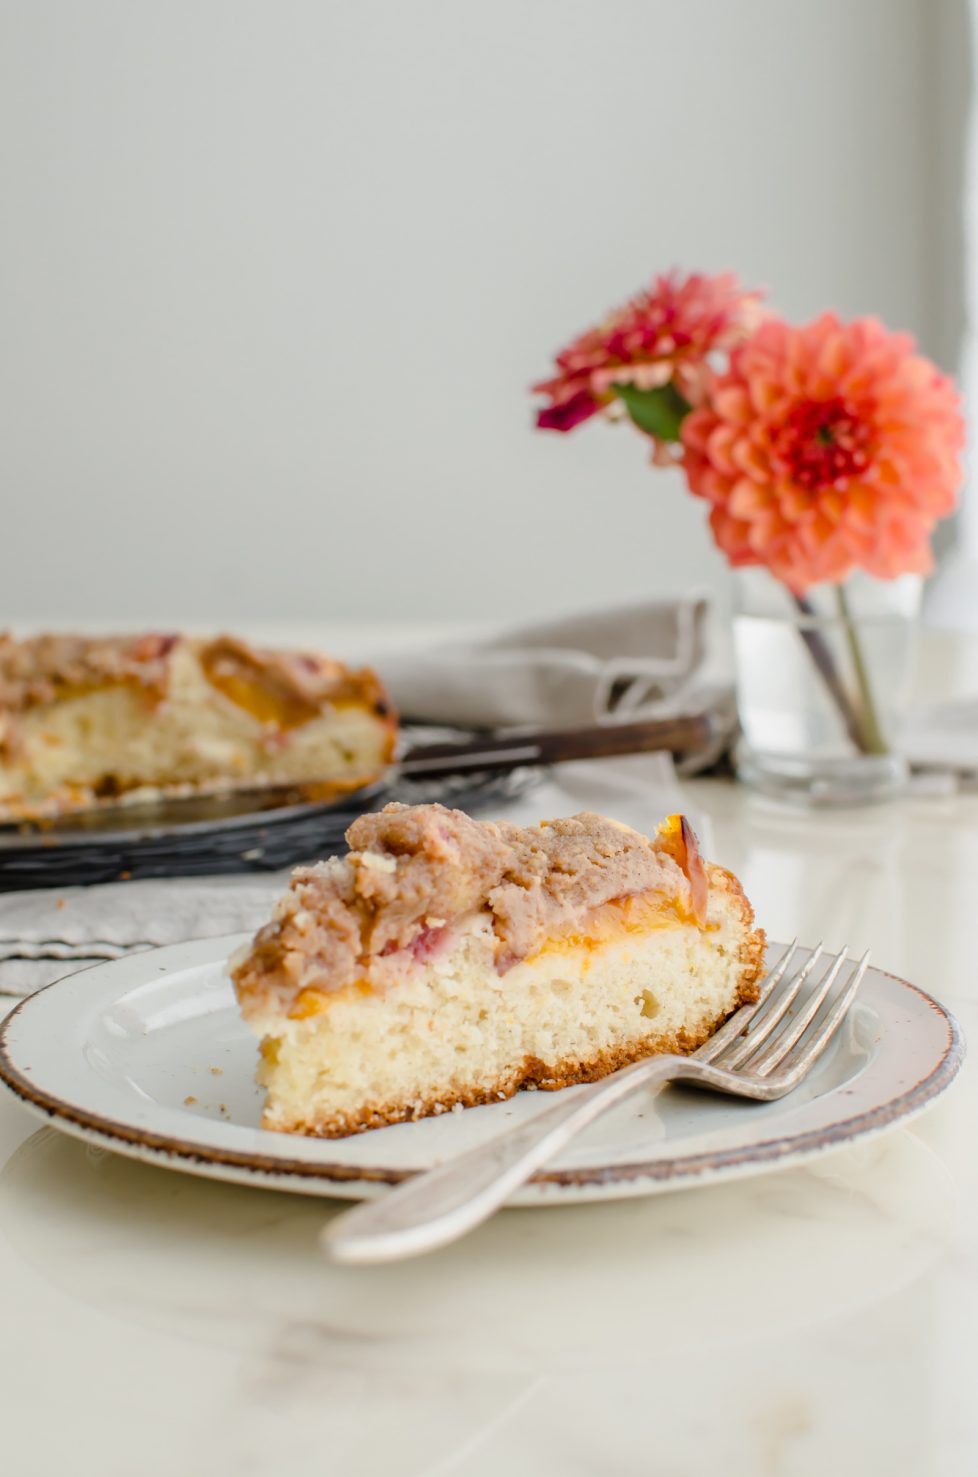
(277, 273)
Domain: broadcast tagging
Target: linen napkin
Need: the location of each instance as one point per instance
(626, 664)
(636, 661)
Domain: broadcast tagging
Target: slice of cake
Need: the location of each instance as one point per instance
(447, 961)
(83, 719)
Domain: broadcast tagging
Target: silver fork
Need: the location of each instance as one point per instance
(763, 1052)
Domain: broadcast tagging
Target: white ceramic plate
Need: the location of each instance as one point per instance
(148, 1056)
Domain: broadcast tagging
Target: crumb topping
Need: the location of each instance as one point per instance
(40, 669)
(412, 871)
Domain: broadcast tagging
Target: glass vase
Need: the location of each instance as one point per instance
(822, 682)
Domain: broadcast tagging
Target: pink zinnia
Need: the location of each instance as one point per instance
(663, 336)
(825, 449)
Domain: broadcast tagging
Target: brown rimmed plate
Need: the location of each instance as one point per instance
(148, 1056)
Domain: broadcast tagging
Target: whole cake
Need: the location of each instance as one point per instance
(446, 962)
(85, 719)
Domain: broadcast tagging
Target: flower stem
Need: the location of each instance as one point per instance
(821, 654)
(873, 741)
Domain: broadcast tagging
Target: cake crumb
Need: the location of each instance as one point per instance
(217, 1071)
(60, 903)
(189, 1100)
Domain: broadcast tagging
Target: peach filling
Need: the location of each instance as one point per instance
(266, 700)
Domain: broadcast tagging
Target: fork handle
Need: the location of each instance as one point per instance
(439, 1205)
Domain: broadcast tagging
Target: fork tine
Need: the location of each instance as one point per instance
(799, 1062)
(738, 1023)
(741, 1050)
(795, 1026)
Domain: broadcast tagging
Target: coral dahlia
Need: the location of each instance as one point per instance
(824, 449)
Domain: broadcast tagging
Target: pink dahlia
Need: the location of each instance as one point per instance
(661, 337)
(825, 449)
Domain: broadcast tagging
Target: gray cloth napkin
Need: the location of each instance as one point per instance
(637, 661)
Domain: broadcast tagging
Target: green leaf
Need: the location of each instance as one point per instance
(658, 412)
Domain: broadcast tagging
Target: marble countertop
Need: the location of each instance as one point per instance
(809, 1321)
